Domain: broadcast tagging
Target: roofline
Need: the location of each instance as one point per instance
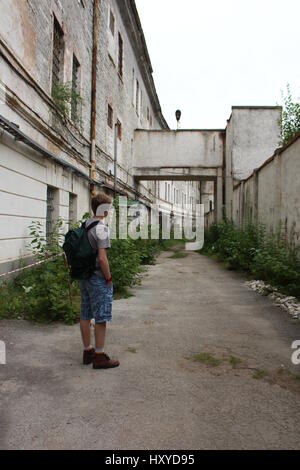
(222, 131)
(252, 107)
(257, 107)
(131, 18)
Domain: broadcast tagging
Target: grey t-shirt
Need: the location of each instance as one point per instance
(99, 238)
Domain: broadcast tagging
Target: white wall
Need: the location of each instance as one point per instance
(24, 177)
(178, 149)
(271, 195)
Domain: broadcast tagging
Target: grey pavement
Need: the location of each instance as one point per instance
(159, 398)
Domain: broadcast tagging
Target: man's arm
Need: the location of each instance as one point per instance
(103, 261)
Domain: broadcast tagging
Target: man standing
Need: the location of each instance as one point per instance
(97, 291)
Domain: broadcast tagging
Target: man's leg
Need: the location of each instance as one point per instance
(100, 331)
(85, 329)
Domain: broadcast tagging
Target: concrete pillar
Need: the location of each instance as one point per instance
(218, 196)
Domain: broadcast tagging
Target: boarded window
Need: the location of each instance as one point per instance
(110, 115)
(120, 59)
(58, 54)
(75, 89)
(72, 209)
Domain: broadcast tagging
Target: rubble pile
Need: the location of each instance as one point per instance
(287, 303)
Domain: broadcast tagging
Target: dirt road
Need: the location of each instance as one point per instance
(204, 365)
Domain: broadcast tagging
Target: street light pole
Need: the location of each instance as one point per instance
(178, 116)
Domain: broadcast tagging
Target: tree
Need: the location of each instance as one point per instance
(290, 123)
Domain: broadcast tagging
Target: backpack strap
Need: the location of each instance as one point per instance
(87, 229)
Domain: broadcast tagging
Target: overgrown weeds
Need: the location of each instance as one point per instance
(252, 249)
(46, 293)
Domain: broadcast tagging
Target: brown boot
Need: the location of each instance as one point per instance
(103, 361)
(88, 356)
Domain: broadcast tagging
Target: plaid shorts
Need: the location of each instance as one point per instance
(96, 299)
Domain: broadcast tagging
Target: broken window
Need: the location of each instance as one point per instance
(120, 60)
(58, 53)
(110, 116)
(75, 88)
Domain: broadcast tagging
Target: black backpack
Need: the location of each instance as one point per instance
(80, 255)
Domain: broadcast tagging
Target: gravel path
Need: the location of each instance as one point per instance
(240, 393)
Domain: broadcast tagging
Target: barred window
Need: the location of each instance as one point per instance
(58, 53)
(75, 88)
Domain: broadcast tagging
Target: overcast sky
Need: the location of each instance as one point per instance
(208, 55)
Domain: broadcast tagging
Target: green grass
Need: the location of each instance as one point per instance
(167, 245)
(235, 361)
(207, 358)
(259, 374)
(178, 255)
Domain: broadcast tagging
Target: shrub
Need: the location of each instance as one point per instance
(252, 249)
(46, 293)
(290, 123)
(124, 261)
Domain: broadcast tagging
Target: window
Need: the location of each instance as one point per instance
(137, 99)
(110, 114)
(133, 87)
(148, 114)
(120, 59)
(119, 130)
(58, 54)
(151, 122)
(112, 23)
(75, 88)
(50, 210)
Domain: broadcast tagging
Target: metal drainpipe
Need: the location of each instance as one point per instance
(94, 95)
(116, 160)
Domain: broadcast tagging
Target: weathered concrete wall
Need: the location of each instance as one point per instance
(178, 149)
(26, 46)
(271, 194)
(252, 135)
